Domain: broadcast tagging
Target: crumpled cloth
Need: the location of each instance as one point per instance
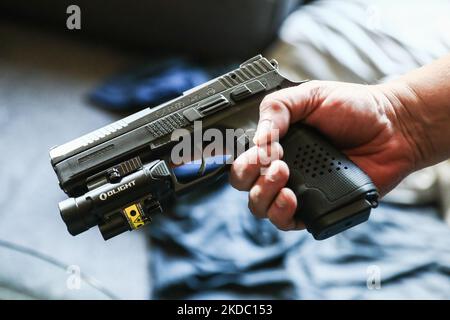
(210, 247)
(362, 41)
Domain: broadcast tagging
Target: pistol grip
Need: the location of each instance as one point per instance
(333, 193)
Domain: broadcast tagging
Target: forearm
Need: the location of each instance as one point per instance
(423, 111)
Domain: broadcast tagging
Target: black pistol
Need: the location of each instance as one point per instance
(118, 177)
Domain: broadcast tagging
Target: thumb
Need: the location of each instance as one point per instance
(279, 109)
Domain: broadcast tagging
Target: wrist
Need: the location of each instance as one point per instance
(404, 109)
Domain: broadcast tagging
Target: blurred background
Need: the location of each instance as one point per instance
(58, 81)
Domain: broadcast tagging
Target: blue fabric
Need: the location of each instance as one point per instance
(152, 84)
(211, 247)
(194, 170)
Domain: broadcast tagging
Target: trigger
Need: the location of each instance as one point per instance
(211, 164)
(196, 169)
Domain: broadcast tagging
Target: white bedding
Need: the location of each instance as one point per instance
(362, 41)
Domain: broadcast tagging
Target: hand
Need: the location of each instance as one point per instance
(367, 123)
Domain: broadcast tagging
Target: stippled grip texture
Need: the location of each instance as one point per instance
(325, 181)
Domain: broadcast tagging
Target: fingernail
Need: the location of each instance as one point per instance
(272, 174)
(263, 171)
(280, 202)
(262, 132)
(272, 177)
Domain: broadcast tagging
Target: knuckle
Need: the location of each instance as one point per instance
(278, 172)
(289, 194)
(239, 169)
(246, 160)
(255, 193)
(236, 180)
(236, 183)
(272, 104)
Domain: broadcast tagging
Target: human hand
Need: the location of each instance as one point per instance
(367, 122)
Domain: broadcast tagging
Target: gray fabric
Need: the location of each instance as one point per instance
(43, 81)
